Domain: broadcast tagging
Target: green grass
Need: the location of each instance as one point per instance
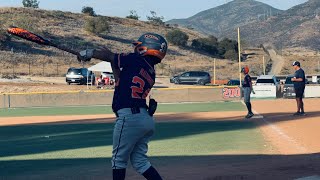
(75, 142)
(91, 110)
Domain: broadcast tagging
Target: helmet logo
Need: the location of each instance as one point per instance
(163, 47)
(150, 36)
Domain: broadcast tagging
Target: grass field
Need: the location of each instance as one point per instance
(91, 110)
(27, 149)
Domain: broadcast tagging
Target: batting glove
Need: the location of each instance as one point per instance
(85, 55)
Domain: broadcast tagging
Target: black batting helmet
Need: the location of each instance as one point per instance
(151, 44)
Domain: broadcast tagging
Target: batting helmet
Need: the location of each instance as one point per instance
(245, 70)
(151, 44)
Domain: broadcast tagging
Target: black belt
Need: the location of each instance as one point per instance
(134, 110)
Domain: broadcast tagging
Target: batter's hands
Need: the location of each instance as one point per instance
(85, 55)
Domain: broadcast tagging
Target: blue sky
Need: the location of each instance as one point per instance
(169, 9)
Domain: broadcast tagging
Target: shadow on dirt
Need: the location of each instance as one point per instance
(214, 167)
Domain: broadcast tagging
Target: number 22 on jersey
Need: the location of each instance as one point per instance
(138, 91)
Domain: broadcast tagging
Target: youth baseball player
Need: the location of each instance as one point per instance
(134, 76)
(247, 89)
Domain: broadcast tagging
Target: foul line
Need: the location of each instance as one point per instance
(275, 128)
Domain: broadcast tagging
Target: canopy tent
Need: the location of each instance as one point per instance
(101, 67)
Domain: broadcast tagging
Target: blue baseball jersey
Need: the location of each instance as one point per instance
(247, 81)
(137, 77)
(300, 74)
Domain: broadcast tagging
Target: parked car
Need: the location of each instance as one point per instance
(109, 77)
(288, 89)
(107, 74)
(269, 80)
(233, 82)
(192, 77)
(80, 76)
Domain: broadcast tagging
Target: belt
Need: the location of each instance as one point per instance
(134, 110)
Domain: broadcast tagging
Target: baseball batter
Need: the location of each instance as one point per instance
(135, 76)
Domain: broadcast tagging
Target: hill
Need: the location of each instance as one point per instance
(216, 21)
(261, 24)
(24, 58)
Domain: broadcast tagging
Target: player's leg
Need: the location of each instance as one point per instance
(246, 94)
(140, 162)
(301, 103)
(125, 137)
(298, 101)
(139, 158)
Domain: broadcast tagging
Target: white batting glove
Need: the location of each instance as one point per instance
(85, 55)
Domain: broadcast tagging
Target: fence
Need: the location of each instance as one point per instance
(162, 95)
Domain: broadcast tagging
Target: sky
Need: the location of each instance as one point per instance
(169, 9)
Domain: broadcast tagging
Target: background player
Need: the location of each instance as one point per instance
(299, 82)
(134, 76)
(247, 89)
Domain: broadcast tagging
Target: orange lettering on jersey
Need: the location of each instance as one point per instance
(145, 75)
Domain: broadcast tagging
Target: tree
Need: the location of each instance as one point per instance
(231, 54)
(209, 45)
(30, 3)
(177, 37)
(88, 10)
(155, 19)
(133, 15)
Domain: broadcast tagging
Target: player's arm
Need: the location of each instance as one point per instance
(104, 54)
(297, 79)
(250, 83)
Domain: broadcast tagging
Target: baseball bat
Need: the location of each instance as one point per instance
(27, 35)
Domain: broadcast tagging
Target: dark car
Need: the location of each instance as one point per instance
(80, 76)
(288, 88)
(233, 82)
(192, 77)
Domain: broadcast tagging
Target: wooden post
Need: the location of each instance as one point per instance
(43, 69)
(264, 66)
(57, 69)
(239, 49)
(214, 71)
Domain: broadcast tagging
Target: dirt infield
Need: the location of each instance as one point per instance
(294, 152)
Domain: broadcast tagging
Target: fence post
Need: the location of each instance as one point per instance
(4, 101)
(9, 103)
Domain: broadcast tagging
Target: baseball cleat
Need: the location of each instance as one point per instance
(302, 114)
(297, 114)
(249, 115)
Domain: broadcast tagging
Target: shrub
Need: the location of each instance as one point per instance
(158, 20)
(97, 25)
(231, 54)
(30, 3)
(133, 15)
(177, 37)
(88, 10)
(209, 45)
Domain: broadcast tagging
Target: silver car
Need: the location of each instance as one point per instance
(192, 77)
(80, 76)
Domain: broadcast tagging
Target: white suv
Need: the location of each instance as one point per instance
(269, 80)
